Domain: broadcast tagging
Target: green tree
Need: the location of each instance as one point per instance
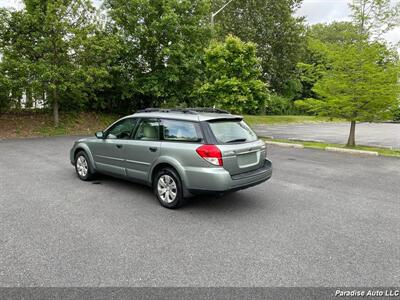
(5, 99)
(164, 45)
(349, 74)
(14, 75)
(233, 77)
(341, 33)
(375, 17)
(270, 24)
(56, 48)
(361, 84)
(321, 38)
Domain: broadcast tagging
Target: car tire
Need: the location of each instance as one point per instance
(82, 166)
(168, 188)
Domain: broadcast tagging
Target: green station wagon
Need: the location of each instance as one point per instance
(178, 152)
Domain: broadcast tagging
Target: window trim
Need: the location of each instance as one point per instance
(218, 142)
(199, 127)
(107, 131)
(138, 125)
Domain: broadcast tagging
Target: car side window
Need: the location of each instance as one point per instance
(182, 131)
(122, 130)
(149, 130)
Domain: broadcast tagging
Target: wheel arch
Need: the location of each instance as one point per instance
(170, 163)
(167, 162)
(85, 148)
(159, 166)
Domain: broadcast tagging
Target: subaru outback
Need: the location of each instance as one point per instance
(177, 152)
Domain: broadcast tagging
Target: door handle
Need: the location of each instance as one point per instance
(119, 146)
(153, 149)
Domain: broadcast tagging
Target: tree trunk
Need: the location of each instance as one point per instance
(262, 110)
(352, 136)
(55, 109)
(29, 101)
(19, 103)
(15, 95)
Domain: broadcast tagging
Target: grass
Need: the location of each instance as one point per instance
(73, 124)
(322, 146)
(16, 125)
(257, 120)
(41, 124)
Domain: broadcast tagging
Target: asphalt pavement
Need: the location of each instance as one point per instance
(324, 219)
(369, 134)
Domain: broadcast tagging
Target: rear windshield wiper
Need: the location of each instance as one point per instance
(236, 140)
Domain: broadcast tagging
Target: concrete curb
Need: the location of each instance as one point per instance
(330, 149)
(288, 145)
(352, 151)
(306, 140)
(379, 146)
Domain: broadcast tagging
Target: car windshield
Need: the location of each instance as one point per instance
(232, 131)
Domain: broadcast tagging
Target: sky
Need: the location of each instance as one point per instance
(315, 11)
(326, 11)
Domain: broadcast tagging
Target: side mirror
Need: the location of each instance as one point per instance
(100, 135)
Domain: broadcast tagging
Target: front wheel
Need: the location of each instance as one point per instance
(168, 188)
(82, 166)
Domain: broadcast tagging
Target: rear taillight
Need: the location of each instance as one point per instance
(210, 153)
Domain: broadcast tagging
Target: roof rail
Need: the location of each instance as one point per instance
(194, 110)
(209, 110)
(165, 110)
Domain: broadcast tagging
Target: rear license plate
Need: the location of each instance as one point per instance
(248, 159)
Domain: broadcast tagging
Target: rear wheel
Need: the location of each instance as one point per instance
(82, 166)
(168, 188)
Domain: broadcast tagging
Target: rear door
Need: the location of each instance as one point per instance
(142, 151)
(241, 150)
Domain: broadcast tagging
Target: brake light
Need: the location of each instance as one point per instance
(210, 153)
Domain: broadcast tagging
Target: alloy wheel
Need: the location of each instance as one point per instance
(166, 188)
(82, 166)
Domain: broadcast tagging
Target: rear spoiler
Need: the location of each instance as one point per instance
(232, 118)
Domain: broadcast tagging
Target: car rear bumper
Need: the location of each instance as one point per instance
(218, 180)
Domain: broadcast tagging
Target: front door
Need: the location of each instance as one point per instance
(142, 151)
(108, 153)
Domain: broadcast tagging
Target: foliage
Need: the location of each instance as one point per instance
(358, 77)
(4, 91)
(164, 45)
(371, 18)
(152, 53)
(396, 113)
(375, 17)
(320, 39)
(335, 33)
(360, 85)
(270, 24)
(56, 48)
(232, 77)
(277, 105)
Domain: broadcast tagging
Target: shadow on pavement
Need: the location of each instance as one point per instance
(241, 200)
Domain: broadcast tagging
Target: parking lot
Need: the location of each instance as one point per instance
(324, 219)
(369, 134)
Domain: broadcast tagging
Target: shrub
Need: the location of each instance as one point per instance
(233, 77)
(396, 114)
(277, 105)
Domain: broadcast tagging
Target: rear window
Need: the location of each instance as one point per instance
(233, 131)
(181, 131)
